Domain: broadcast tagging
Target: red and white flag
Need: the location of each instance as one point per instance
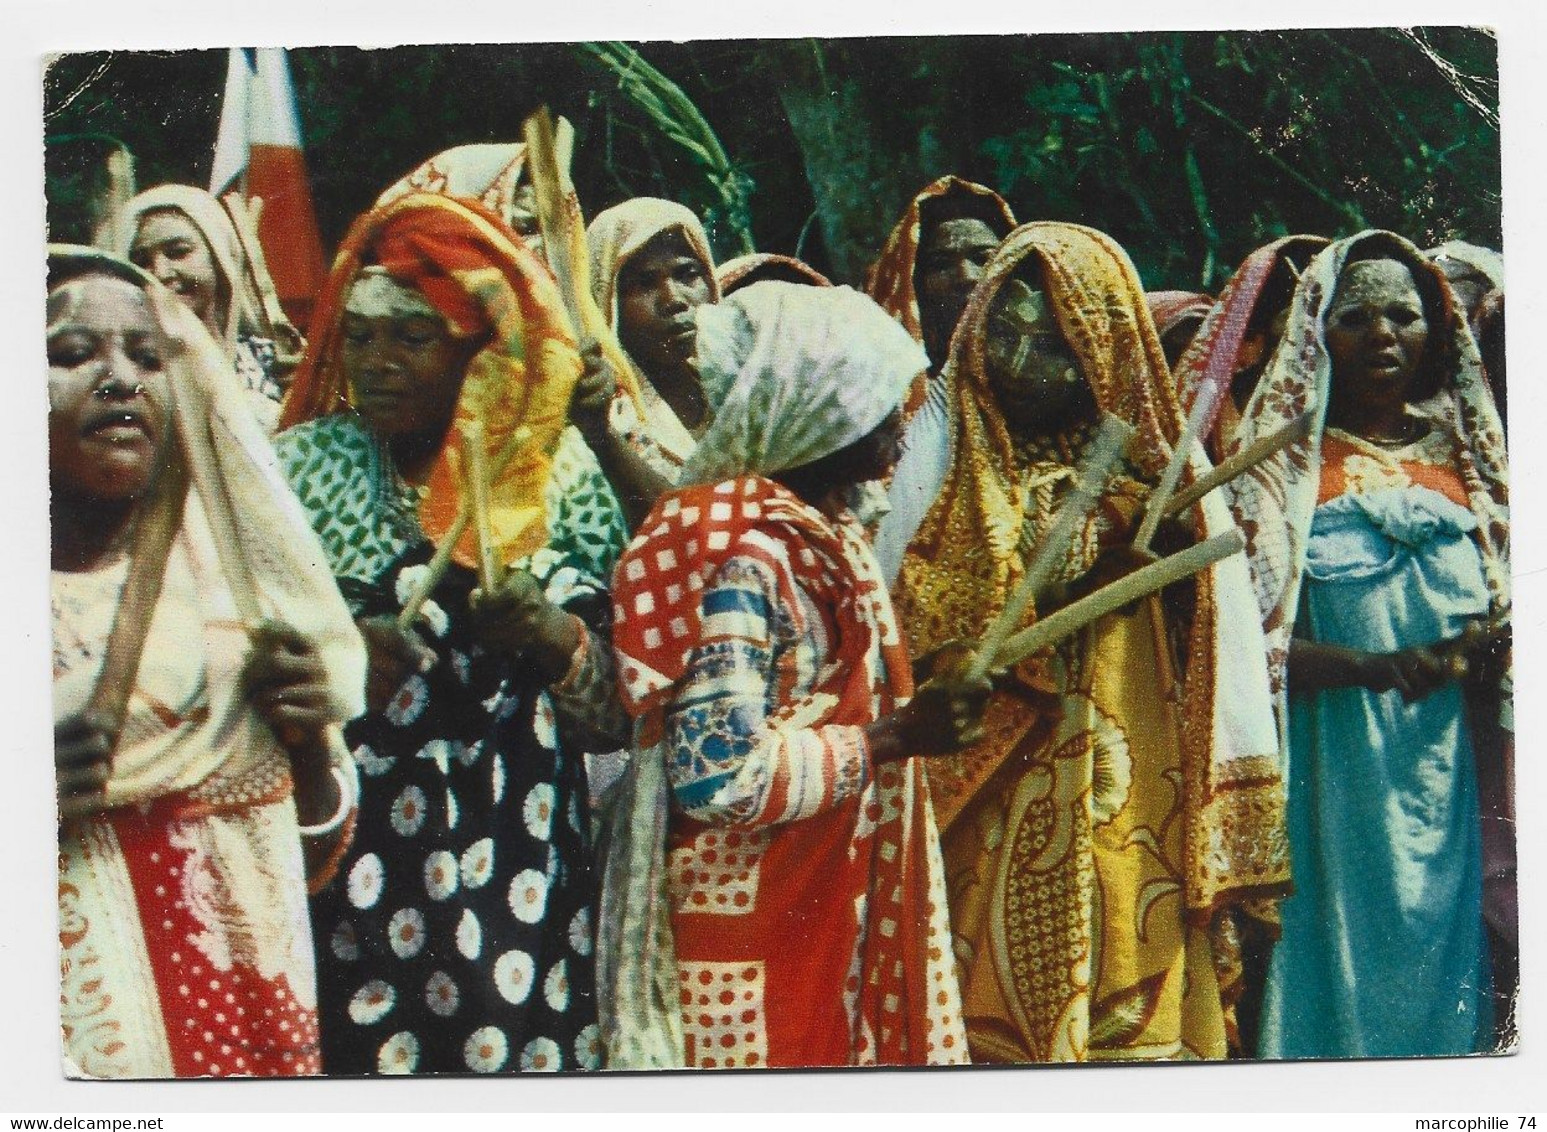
(258, 153)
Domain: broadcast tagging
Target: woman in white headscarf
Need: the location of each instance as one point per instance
(651, 270)
(187, 240)
(803, 918)
(199, 767)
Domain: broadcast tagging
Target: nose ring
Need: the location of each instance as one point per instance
(118, 388)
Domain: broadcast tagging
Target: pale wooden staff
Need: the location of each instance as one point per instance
(1096, 469)
(154, 533)
(1141, 583)
(1155, 508)
(448, 545)
(1241, 463)
(563, 228)
(475, 479)
(549, 189)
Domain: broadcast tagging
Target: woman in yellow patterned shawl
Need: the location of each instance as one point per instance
(1126, 802)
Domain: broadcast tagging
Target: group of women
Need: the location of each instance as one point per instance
(467, 694)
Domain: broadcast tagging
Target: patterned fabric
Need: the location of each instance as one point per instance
(480, 277)
(1226, 343)
(1383, 951)
(795, 373)
(158, 980)
(890, 279)
(490, 173)
(458, 935)
(647, 424)
(185, 948)
(335, 464)
(254, 361)
(1170, 309)
(782, 646)
(745, 270)
(950, 588)
(472, 793)
(1213, 746)
(1274, 504)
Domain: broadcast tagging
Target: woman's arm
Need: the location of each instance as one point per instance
(287, 684)
(567, 655)
(736, 755)
(1316, 667)
(636, 484)
(590, 714)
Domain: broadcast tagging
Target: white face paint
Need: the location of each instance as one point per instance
(1376, 331)
(1032, 371)
(375, 294)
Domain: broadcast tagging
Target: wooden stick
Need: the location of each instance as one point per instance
(1096, 469)
(1242, 462)
(155, 532)
(1141, 583)
(563, 228)
(448, 545)
(1155, 508)
(548, 188)
(475, 477)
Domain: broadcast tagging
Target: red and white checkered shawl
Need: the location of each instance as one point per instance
(658, 584)
(1274, 503)
(907, 1014)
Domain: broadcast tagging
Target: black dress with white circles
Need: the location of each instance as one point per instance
(458, 934)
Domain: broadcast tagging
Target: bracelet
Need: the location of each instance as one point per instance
(348, 778)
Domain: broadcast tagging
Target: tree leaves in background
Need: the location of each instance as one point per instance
(1189, 148)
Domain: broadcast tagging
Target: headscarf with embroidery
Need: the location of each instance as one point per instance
(491, 173)
(1228, 341)
(890, 279)
(1274, 503)
(484, 282)
(965, 558)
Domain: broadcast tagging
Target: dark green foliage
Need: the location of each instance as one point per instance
(1190, 148)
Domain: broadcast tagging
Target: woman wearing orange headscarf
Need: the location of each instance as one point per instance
(1126, 800)
(459, 937)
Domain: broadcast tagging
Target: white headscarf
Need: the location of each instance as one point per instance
(795, 373)
(244, 313)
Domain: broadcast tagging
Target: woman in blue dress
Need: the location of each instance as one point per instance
(1379, 551)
